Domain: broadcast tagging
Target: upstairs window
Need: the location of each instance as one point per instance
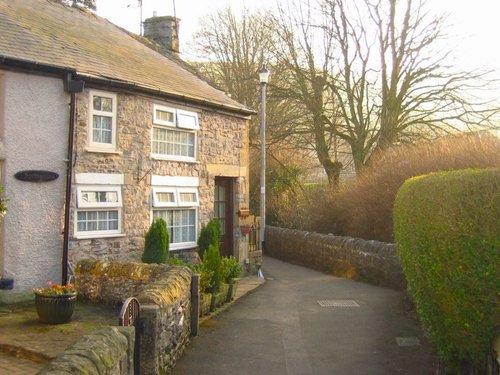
(174, 134)
(102, 120)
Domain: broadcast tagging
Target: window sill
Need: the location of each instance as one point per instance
(103, 150)
(183, 246)
(173, 159)
(97, 236)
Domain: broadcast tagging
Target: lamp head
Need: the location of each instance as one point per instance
(263, 74)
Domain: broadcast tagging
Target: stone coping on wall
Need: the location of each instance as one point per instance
(107, 351)
(113, 282)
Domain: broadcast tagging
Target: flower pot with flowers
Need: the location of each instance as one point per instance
(55, 304)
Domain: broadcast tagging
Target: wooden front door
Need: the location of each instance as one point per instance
(223, 211)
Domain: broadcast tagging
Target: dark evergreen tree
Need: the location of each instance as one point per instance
(156, 243)
(209, 235)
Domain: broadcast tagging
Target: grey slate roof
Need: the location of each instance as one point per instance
(49, 33)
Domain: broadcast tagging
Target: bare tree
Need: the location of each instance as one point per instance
(394, 82)
(235, 49)
(306, 71)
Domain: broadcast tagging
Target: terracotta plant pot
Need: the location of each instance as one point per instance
(55, 309)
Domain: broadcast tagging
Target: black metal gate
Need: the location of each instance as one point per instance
(130, 316)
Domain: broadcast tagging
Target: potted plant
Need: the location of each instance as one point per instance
(231, 270)
(55, 304)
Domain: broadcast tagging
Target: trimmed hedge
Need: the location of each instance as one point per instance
(448, 238)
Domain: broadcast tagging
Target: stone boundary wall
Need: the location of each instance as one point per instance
(370, 261)
(109, 351)
(164, 293)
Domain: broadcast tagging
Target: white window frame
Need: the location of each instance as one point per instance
(177, 185)
(177, 126)
(189, 191)
(183, 125)
(158, 203)
(82, 206)
(181, 245)
(163, 109)
(96, 146)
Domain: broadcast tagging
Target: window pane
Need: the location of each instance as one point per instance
(164, 116)
(181, 224)
(90, 221)
(173, 142)
(188, 197)
(99, 196)
(102, 128)
(103, 104)
(165, 197)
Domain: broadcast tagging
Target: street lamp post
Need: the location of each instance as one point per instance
(264, 77)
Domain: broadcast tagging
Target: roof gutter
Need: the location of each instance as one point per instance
(33, 66)
(154, 91)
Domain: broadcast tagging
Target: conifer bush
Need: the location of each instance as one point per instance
(209, 235)
(212, 262)
(156, 243)
(448, 240)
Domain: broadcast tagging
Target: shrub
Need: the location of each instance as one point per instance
(212, 263)
(448, 239)
(231, 269)
(156, 243)
(363, 208)
(209, 235)
(176, 261)
(206, 276)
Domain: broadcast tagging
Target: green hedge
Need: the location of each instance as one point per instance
(447, 232)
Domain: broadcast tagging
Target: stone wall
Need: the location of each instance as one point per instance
(109, 351)
(370, 261)
(165, 296)
(222, 150)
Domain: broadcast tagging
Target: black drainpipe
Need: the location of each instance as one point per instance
(72, 86)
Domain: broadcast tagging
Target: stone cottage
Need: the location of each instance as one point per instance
(101, 132)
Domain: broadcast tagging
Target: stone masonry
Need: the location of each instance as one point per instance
(371, 261)
(222, 150)
(164, 293)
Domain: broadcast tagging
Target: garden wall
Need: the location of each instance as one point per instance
(109, 351)
(165, 295)
(370, 261)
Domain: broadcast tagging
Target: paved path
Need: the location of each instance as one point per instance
(280, 328)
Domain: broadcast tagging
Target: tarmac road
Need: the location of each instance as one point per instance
(280, 328)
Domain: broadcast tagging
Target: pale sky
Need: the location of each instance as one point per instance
(475, 30)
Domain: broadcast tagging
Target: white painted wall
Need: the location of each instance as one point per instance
(34, 116)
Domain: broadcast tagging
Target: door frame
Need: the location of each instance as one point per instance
(228, 182)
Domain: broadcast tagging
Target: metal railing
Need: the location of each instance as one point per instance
(254, 236)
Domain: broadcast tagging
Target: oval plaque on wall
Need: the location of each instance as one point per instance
(36, 176)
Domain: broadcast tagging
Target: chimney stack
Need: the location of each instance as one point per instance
(164, 31)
